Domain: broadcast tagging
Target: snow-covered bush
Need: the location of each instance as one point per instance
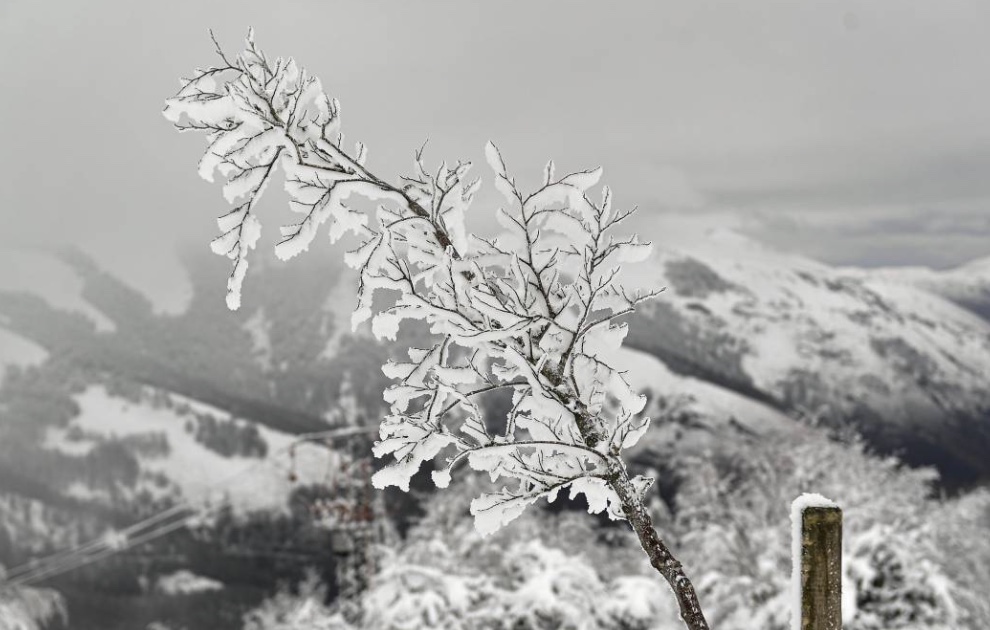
(302, 609)
(421, 588)
(529, 586)
(733, 506)
(30, 608)
(897, 583)
(532, 310)
(446, 575)
(963, 549)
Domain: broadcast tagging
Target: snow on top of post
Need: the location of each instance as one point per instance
(809, 500)
(798, 506)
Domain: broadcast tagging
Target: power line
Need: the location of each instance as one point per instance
(92, 545)
(117, 542)
(106, 553)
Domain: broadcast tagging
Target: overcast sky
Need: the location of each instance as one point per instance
(853, 132)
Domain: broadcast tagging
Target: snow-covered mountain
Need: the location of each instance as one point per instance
(906, 367)
(967, 285)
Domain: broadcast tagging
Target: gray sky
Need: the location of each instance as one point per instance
(853, 132)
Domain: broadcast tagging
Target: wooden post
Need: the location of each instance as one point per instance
(819, 551)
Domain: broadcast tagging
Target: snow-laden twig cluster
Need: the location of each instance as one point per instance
(532, 310)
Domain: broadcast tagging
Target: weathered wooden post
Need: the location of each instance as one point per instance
(817, 563)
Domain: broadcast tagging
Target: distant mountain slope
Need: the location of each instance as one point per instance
(967, 285)
(906, 367)
(207, 352)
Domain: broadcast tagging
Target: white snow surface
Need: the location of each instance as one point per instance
(199, 474)
(42, 274)
(185, 582)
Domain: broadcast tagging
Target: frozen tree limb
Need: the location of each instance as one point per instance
(532, 310)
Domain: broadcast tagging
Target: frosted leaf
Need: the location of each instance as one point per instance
(249, 233)
(502, 182)
(641, 485)
(455, 375)
(583, 180)
(474, 426)
(385, 325)
(359, 257)
(634, 252)
(420, 355)
(223, 142)
(605, 339)
(630, 435)
(492, 511)
(347, 220)
(395, 370)
(568, 191)
(329, 205)
(494, 158)
(399, 396)
(419, 445)
(600, 497)
(361, 314)
(230, 221)
(555, 340)
(193, 109)
(508, 222)
(547, 419)
(441, 478)
(244, 183)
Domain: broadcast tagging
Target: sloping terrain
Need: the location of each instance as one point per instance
(967, 285)
(904, 366)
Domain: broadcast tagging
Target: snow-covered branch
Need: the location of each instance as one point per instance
(532, 309)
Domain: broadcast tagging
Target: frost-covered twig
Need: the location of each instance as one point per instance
(532, 310)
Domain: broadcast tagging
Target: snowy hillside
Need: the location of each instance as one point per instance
(907, 367)
(967, 285)
(717, 409)
(186, 467)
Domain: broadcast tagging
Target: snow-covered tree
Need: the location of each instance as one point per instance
(532, 310)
